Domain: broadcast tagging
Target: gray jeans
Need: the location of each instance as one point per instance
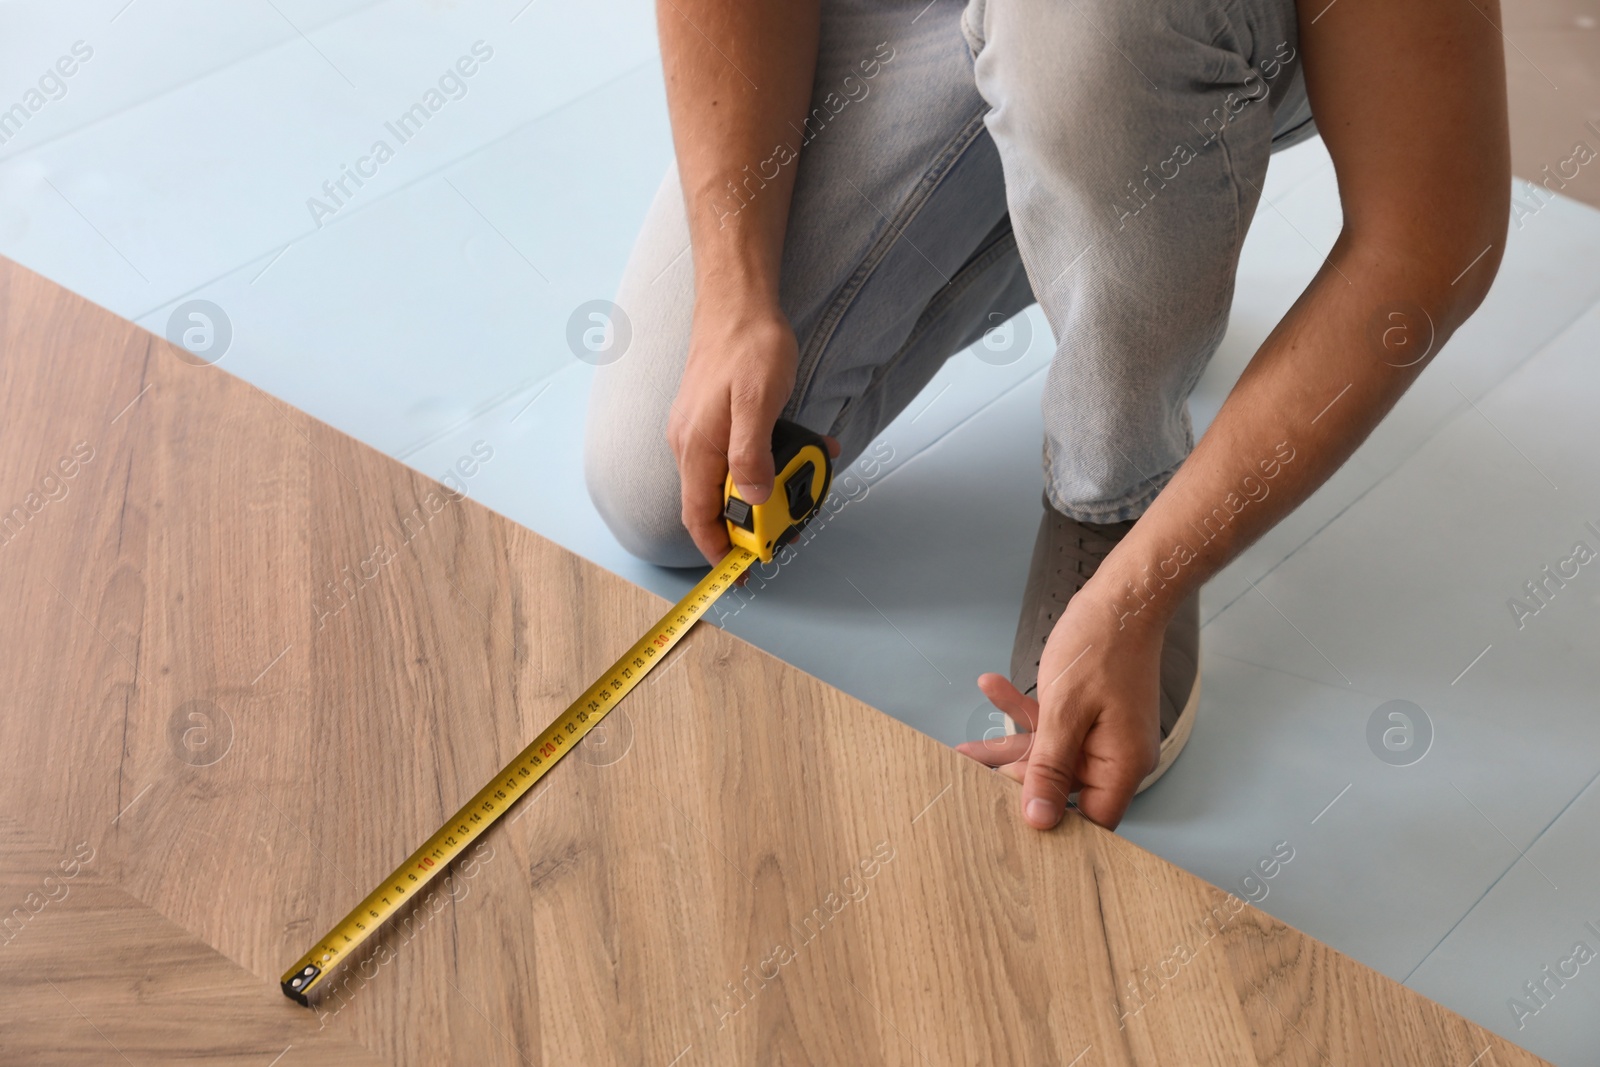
(1101, 157)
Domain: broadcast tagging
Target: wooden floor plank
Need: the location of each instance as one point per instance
(93, 976)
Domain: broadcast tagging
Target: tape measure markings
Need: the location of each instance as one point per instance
(513, 781)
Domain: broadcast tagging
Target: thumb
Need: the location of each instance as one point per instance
(1048, 781)
(750, 448)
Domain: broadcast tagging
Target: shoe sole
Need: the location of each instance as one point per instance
(1173, 743)
(1171, 746)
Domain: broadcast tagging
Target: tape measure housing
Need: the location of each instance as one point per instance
(804, 474)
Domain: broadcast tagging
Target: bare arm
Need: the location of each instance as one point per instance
(738, 80)
(1410, 100)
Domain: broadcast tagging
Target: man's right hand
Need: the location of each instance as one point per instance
(742, 351)
(739, 374)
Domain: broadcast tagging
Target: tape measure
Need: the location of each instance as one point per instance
(804, 473)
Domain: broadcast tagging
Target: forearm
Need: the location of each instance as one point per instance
(1336, 364)
(738, 79)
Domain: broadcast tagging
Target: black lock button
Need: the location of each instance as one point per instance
(798, 490)
(739, 512)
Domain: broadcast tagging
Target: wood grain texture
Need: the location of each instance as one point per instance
(94, 976)
(750, 868)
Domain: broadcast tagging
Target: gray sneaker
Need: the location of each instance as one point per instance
(1066, 554)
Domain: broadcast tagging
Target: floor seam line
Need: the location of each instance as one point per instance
(1512, 866)
(1007, 391)
(1444, 424)
(383, 197)
(195, 80)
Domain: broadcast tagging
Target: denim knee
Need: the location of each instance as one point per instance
(638, 498)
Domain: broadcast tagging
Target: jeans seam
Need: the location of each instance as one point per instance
(844, 299)
(964, 279)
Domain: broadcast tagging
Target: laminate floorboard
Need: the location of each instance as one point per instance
(258, 662)
(93, 976)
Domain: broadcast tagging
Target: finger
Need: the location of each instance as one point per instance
(1018, 772)
(1049, 778)
(750, 445)
(1106, 805)
(833, 446)
(703, 471)
(1023, 709)
(997, 751)
(1109, 782)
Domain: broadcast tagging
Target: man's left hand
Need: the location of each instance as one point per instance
(1095, 729)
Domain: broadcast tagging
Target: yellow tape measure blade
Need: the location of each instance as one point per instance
(513, 782)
